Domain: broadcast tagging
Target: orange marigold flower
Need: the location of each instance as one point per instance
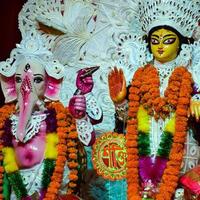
(71, 144)
(72, 164)
(131, 136)
(132, 121)
(134, 97)
(60, 116)
(74, 171)
(134, 90)
(73, 135)
(72, 185)
(132, 114)
(136, 83)
(72, 150)
(73, 177)
(62, 123)
(73, 156)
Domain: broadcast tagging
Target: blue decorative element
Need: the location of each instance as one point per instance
(89, 157)
(117, 190)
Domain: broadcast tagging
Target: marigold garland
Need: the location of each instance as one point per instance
(5, 111)
(145, 90)
(65, 126)
(66, 131)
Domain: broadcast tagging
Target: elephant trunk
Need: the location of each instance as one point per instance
(27, 102)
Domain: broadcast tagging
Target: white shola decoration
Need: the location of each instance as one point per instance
(32, 46)
(183, 15)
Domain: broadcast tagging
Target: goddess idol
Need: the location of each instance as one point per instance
(163, 96)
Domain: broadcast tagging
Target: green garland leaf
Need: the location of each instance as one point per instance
(165, 144)
(17, 184)
(6, 187)
(144, 144)
(49, 165)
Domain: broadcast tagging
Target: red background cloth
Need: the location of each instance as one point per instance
(9, 32)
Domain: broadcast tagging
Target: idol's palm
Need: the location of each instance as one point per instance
(117, 85)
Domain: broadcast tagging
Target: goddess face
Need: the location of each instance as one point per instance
(164, 45)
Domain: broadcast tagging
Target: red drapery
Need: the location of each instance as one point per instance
(9, 34)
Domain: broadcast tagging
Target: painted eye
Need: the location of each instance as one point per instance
(18, 79)
(169, 41)
(154, 41)
(38, 79)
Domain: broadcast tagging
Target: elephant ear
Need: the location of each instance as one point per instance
(8, 88)
(55, 74)
(7, 78)
(52, 89)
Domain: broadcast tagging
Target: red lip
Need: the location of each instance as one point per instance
(160, 51)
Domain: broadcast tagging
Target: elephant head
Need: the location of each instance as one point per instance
(30, 77)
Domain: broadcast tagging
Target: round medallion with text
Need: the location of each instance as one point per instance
(109, 156)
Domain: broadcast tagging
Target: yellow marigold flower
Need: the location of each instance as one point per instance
(170, 125)
(9, 161)
(143, 120)
(51, 146)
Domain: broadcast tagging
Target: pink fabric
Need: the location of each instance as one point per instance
(151, 169)
(191, 180)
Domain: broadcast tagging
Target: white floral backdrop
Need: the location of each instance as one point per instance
(86, 33)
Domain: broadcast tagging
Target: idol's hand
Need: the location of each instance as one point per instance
(77, 106)
(195, 109)
(84, 80)
(117, 85)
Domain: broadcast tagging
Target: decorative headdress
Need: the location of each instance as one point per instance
(182, 15)
(32, 47)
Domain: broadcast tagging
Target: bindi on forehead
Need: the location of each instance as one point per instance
(35, 67)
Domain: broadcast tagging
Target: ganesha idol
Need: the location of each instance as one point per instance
(39, 138)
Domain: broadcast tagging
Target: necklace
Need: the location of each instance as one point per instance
(164, 71)
(145, 92)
